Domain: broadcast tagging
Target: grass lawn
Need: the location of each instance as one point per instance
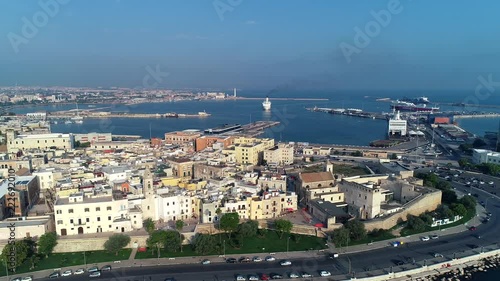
(349, 171)
(470, 214)
(59, 260)
(268, 244)
(386, 235)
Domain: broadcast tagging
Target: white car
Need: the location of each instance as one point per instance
(240, 278)
(270, 258)
(294, 275)
(95, 274)
(285, 263)
(491, 183)
(325, 273)
(257, 259)
(205, 262)
(253, 278)
(67, 273)
(425, 238)
(79, 271)
(306, 275)
(27, 278)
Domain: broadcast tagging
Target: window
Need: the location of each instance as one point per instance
(59, 212)
(70, 211)
(97, 209)
(71, 221)
(109, 218)
(87, 210)
(98, 218)
(108, 208)
(87, 220)
(59, 222)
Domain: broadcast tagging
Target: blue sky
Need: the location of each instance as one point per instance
(255, 44)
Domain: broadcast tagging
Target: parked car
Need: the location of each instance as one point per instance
(305, 275)
(67, 273)
(425, 238)
(270, 258)
(205, 262)
(438, 255)
(257, 259)
(333, 255)
(231, 260)
(79, 271)
(434, 236)
(95, 274)
(106, 268)
(294, 275)
(253, 278)
(276, 276)
(472, 228)
(286, 263)
(325, 273)
(93, 269)
(27, 278)
(240, 278)
(54, 275)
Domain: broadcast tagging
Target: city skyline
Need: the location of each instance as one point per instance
(249, 44)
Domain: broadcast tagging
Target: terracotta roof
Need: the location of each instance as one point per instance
(23, 172)
(315, 177)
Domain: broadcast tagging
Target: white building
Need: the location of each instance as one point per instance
(282, 154)
(78, 214)
(37, 116)
(16, 143)
(171, 206)
(116, 173)
(480, 156)
(93, 137)
(397, 126)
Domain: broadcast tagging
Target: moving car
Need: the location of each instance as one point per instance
(472, 228)
(438, 255)
(54, 275)
(67, 273)
(205, 262)
(95, 274)
(93, 269)
(244, 259)
(270, 258)
(264, 277)
(106, 268)
(276, 276)
(324, 273)
(333, 255)
(285, 263)
(425, 238)
(434, 236)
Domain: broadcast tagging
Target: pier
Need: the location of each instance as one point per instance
(466, 116)
(350, 112)
(295, 99)
(104, 115)
(257, 128)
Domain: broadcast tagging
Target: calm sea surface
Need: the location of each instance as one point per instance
(297, 124)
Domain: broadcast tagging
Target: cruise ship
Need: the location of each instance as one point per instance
(411, 107)
(266, 104)
(419, 100)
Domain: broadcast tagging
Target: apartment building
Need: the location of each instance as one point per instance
(99, 212)
(272, 181)
(186, 137)
(282, 154)
(94, 137)
(320, 185)
(250, 151)
(321, 151)
(16, 164)
(204, 142)
(272, 205)
(25, 195)
(114, 145)
(171, 206)
(182, 167)
(16, 143)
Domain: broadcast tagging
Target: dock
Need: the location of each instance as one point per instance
(254, 129)
(467, 116)
(294, 99)
(104, 115)
(257, 128)
(350, 112)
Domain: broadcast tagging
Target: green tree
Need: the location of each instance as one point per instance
(248, 229)
(469, 202)
(489, 168)
(283, 226)
(179, 224)
(116, 242)
(393, 156)
(46, 243)
(459, 209)
(341, 237)
(415, 223)
(173, 241)
(478, 143)
(34, 260)
(464, 162)
(444, 212)
(449, 197)
(157, 239)
(149, 225)
(204, 244)
(356, 229)
(357, 153)
(22, 250)
(427, 218)
(229, 222)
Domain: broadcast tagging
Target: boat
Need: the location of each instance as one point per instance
(411, 107)
(171, 115)
(266, 104)
(78, 119)
(203, 114)
(419, 100)
(68, 122)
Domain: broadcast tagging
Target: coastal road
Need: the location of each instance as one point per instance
(387, 258)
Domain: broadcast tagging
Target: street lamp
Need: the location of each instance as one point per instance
(158, 247)
(224, 254)
(85, 259)
(288, 244)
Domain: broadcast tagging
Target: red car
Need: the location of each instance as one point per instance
(472, 228)
(264, 277)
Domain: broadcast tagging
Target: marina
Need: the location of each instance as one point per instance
(350, 112)
(103, 115)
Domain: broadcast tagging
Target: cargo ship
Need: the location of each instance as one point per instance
(419, 100)
(411, 107)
